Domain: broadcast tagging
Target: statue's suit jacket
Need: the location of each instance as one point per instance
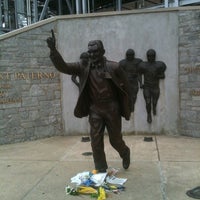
(114, 73)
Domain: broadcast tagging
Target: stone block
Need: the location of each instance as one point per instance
(30, 101)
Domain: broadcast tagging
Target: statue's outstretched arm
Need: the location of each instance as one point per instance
(57, 59)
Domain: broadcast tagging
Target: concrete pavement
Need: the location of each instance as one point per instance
(160, 170)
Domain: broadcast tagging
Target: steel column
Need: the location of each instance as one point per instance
(166, 3)
(35, 11)
(59, 7)
(78, 7)
(6, 19)
(1, 21)
(92, 6)
(119, 5)
(84, 6)
(69, 6)
(73, 6)
(44, 10)
(28, 8)
(16, 15)
(88, 4)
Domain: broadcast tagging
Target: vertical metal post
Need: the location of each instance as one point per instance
(73, 5)
(28, 7)
(93, 5)
(59, 7)
(88, 4)
(166, 3)
(35, 11)
(69, 6)
(20, 6)
(44, 10)
(16, 15)
(119, 5)
(78, 7)
(6, 19)
(1, 21)
(84, 6)
(20, 16)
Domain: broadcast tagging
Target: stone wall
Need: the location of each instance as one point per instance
(189, 72)
(30, 93)
(120, 31)
(36, 101)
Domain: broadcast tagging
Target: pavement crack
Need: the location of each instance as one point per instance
(163, 179)
(163, 182)
(158, 153)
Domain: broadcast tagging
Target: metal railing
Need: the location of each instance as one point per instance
(19, 13)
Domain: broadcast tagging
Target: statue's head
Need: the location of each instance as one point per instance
(95, 50)
(151, 55)
(84, 57)
(130, 54)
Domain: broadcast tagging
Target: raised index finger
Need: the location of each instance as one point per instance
(52, 32)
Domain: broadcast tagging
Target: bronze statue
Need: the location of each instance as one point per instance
(84, 59)
(103, 95)
(130, 66)
(152, 72)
